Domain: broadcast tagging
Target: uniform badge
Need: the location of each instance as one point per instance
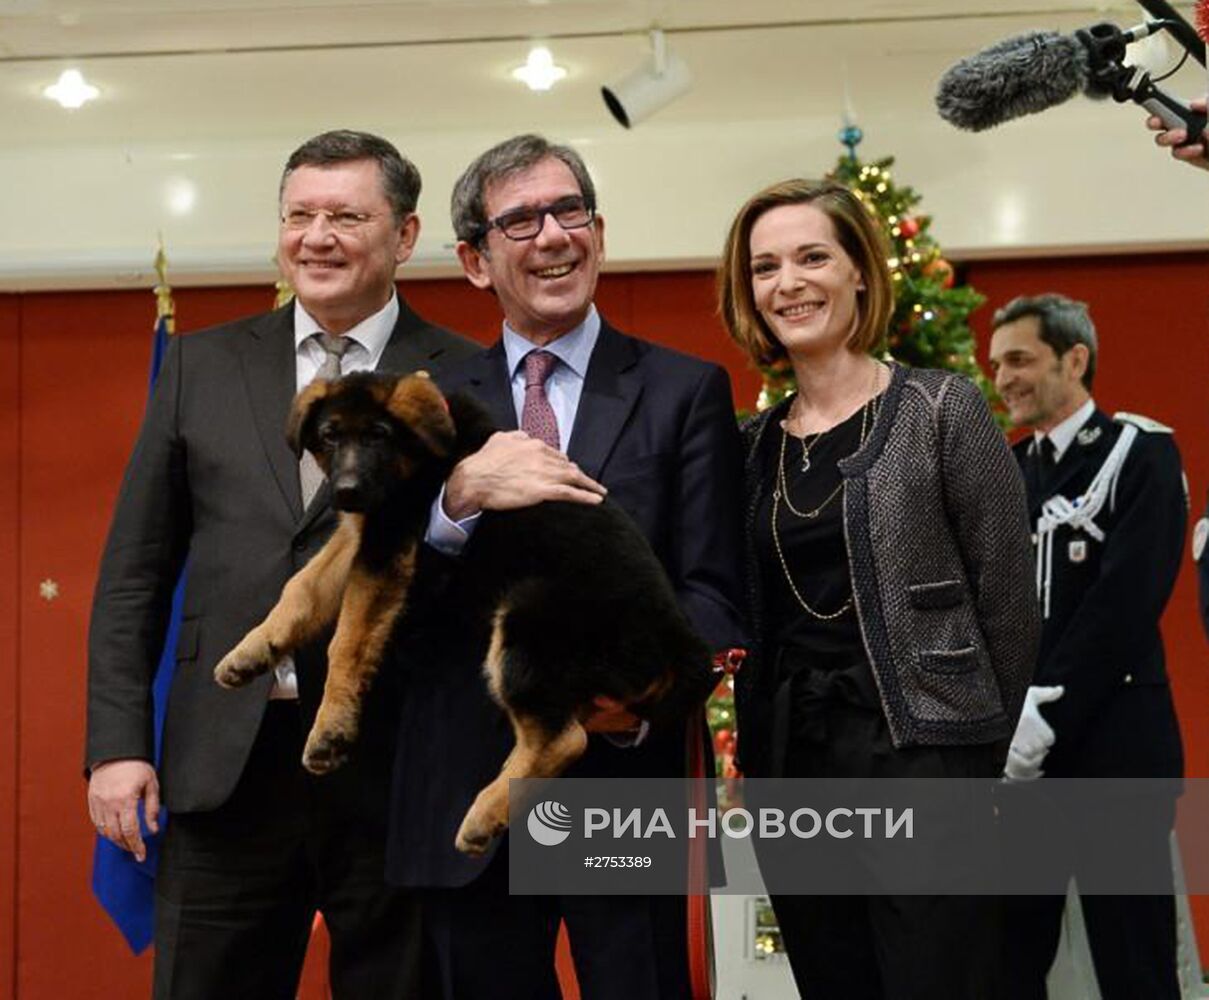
(1089, 435)
(1076, 552)
(1200, 535)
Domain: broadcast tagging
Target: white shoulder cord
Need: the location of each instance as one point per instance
(1078, 513)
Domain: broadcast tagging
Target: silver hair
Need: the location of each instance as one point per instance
(1064, 323)
(467, 206)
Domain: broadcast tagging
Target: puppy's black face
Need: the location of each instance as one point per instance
(361, 454)
(368, 443)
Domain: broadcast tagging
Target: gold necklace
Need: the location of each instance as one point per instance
(781, 486)
(781, 489)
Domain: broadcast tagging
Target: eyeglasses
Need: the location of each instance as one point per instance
(526, 223)
(343, 221)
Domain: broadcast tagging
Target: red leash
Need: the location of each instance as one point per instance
(700, 926)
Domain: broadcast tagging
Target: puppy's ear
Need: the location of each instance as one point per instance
(419, 404)
(300, 427)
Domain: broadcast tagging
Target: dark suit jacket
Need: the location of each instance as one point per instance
(212, 480)
(658, 429)
(1101, 640)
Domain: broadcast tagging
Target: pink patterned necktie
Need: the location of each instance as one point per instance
(537, 416)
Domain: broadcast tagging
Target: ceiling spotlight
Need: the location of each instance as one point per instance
(660, 79)
(72, 90)
(539, 71)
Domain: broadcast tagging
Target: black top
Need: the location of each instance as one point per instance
(816, 556)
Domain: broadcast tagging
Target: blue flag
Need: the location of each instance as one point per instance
(124, 887)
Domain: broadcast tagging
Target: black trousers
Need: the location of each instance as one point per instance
(488, 945)
(1132, 938)
(237, 889)
(859, 947)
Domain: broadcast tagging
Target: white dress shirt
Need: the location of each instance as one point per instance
(1064, 433)
(564, 387)
(368, 340)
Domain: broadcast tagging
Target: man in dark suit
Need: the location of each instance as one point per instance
(1109, 508)
(657, 428)
(254, 845)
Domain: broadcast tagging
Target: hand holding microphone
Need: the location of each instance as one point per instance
(1196, 153)
(1042, 69)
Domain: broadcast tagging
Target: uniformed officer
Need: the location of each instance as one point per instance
(1109, 510)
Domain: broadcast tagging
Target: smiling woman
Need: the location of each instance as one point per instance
(870, 488)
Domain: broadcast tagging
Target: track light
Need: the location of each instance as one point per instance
(660, 79)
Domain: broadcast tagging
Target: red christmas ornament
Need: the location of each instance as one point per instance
(723, 738)
(909, 227)
(941, 270)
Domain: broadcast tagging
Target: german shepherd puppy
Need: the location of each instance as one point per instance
(571, 601)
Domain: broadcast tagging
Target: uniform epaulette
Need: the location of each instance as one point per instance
(1142, 423)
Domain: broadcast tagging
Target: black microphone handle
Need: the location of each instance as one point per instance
(1173, 113)
(1184, 32)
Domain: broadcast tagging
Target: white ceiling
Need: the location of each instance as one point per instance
(208, 96)
(235, 68)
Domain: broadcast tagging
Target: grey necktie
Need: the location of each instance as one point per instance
(310, 476)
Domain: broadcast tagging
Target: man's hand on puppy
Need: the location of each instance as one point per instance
(514, 470)
(1196, 153)
(114, 790)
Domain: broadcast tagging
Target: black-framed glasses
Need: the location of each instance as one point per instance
(526, 223)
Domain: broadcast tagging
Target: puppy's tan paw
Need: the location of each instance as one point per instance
(329, 744)
(247, 661)
(480, 827)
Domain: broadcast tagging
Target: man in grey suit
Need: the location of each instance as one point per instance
(255, 845)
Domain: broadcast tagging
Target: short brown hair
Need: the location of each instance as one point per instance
(400, 178)
(857, 232)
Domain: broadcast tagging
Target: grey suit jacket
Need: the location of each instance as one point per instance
(213, 481)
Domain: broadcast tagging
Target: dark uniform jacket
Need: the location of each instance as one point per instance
(1101, 640)
(941, 570)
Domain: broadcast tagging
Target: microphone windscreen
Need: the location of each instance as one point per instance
(1018, 76)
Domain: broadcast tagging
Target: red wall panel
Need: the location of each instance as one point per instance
(83, 387)
(71, 410)
(10, 425)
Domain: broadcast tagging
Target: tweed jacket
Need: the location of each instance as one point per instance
(935, 523)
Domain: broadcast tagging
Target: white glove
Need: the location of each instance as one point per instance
(1034, 736)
